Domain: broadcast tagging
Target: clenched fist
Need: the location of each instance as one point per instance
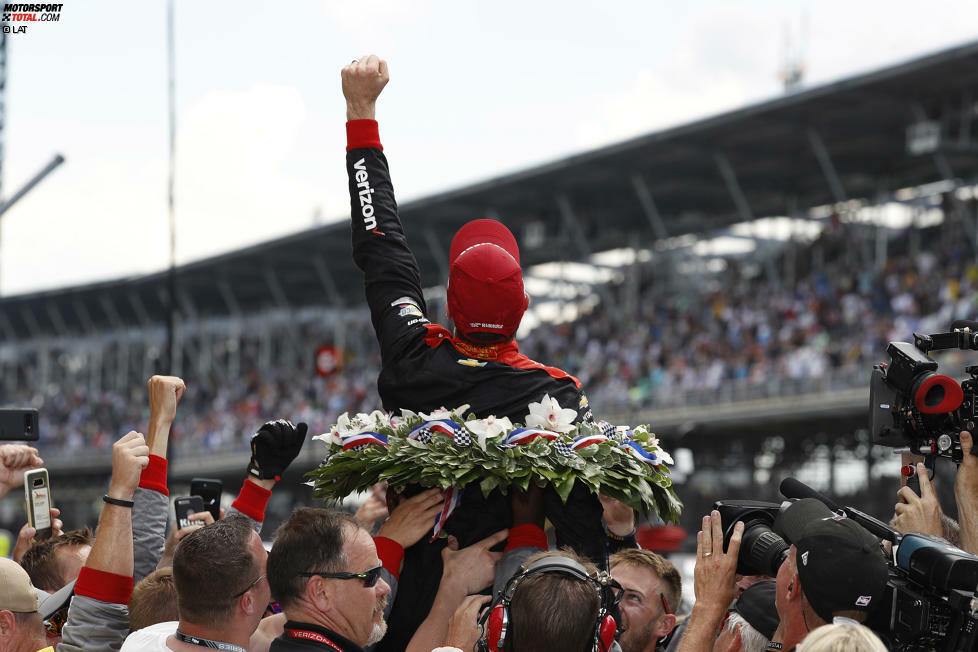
(130, 455)
(363, 80)
(164, 394)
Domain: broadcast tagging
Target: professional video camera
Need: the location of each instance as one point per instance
(931, 600)
(912, 407)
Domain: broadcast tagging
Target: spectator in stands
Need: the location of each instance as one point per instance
(21, 629)
(751, 622)
(325, 573)
(652, 592)
(219, 575)
(53, 563)
(842, 637)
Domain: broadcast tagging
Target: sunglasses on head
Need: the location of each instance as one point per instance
(368, 577)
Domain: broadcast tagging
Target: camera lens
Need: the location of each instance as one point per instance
(761, 550)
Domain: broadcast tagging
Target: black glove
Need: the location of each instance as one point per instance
(274, 447)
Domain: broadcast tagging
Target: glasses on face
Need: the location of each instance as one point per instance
(368, 577)
(250, 586)
(665, 605)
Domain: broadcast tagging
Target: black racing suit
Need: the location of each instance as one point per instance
(425, 368)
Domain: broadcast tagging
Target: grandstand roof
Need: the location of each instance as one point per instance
(837, 141)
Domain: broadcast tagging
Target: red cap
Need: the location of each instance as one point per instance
(485, 282)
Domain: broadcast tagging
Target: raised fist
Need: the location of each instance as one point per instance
(164, 394)
(363, 80)
(274, 447)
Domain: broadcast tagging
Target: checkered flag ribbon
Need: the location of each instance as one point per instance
(609, 430)
(563, 449)
(424, 432)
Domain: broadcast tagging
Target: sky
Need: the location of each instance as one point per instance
(477, 90)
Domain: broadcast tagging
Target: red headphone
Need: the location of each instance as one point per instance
(497, 626)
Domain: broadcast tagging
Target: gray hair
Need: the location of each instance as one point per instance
(750, 639)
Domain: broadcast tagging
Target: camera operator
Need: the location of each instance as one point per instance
(966, 495)
(923, 513)
(834, 569)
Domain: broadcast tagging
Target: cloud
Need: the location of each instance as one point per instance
(234, 151)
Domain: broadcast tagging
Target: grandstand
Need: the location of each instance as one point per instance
(695, 343)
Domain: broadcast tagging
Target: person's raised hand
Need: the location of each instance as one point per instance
(966, 483)
(274, 447)
(966, 494)
(463, 626)
(374, 507)
(197, 521)
(25, 538)
(15, 460)
(164, 394)
(412, 518)
(130, 455)
(528, 506)
(473, 566)
(715, 570)
(363, 80)
(618, 517)
(918, 513)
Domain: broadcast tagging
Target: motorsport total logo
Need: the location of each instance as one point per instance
(17, 17)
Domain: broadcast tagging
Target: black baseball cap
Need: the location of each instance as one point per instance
(756, 606)
(840, 564)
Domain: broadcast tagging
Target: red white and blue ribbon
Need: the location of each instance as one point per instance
(588, 440)
(452, 498)
(636, 451)
(362, 439)
(526, 435)
(424, 431)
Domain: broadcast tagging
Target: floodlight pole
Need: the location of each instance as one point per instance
(171, 365)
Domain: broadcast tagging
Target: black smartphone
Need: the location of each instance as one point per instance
(18, 424)
(37, 489)
(209, 489)
(184, 507)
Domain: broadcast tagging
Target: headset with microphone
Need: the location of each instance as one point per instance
(496, 622)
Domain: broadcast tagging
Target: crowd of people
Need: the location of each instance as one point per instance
(332, 581)
(736, 339)
(512, 570)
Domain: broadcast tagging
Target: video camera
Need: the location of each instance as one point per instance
(931, 599)
(912, 407)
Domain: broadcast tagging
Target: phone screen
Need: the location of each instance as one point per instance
(42, 507)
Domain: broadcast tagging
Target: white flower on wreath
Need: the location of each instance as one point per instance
(663, 456)
(346, 426)
(442, 413)
(405, 416)
(548, 415)
(488, 428)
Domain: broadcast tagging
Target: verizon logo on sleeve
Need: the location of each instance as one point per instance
(366, 196)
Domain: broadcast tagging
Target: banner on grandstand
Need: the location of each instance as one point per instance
(329, 360)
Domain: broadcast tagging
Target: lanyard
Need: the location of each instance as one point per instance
(311, 636)
(206, 642)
